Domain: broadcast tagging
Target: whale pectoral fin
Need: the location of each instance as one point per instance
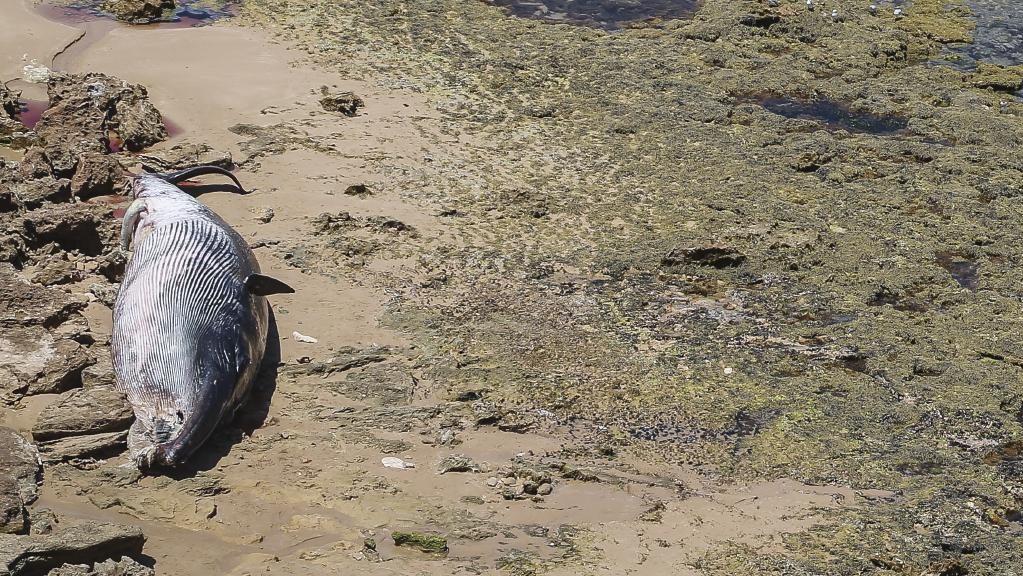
(131, 219)
(261, 285)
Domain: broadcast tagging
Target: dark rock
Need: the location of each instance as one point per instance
(84, 411)
(138, 11)
(360, 190)
(97, 175)
(180, 157)
(86, 543)
(346, 103)
(86, 109)
(93, 446)
(8, 101)
(24, 304)
(713, 255)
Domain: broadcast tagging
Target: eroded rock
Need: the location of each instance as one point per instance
(87, 109)
(63, 369)
(33, 193)
(138, 11)
(24, 304)
(85, 228)
(19, 480)
(83, 447)
(86, 543)
(84, 411)
(99, 374)
(96, 175)
(13, 519)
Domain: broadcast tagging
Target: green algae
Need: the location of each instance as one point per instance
(595, 155)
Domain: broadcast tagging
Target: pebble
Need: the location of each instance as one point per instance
(397, 463)
(544, 489)
(510, 481)
(898, 12)
(873, 9)
(492, 481)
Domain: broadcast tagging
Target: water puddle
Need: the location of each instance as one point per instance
(962, 269)
(832, 115)
(606, 14)
(30, 112)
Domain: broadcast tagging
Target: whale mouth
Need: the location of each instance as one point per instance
(136, 185)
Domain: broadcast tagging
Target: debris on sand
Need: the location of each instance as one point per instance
(299, 337)
(346, 103)
(396, 463)
(86, 543)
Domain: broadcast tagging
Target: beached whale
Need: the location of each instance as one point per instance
(190, 319)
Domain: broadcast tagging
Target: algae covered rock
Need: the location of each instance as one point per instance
(422, 541)
(138, 11)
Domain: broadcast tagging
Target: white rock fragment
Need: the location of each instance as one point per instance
(35, 72)
(299, 337)
(398, 463)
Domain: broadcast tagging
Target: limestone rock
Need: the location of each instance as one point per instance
(85, 543)
(97, 175)
(84, 411)
(79, 447)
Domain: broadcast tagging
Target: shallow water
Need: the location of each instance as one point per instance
(607, 14)
(998, 38)
(30, 112)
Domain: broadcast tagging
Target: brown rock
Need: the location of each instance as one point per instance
(56, 270)
(86, 108)
(86, 543)
(19, 480)
(84, 411)
(34, 192)
(99, 374)
(24, 304)
(12, 507)
(63, 369)
(86, 228)
(35, 164)
(97, 175)
(79, 447)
